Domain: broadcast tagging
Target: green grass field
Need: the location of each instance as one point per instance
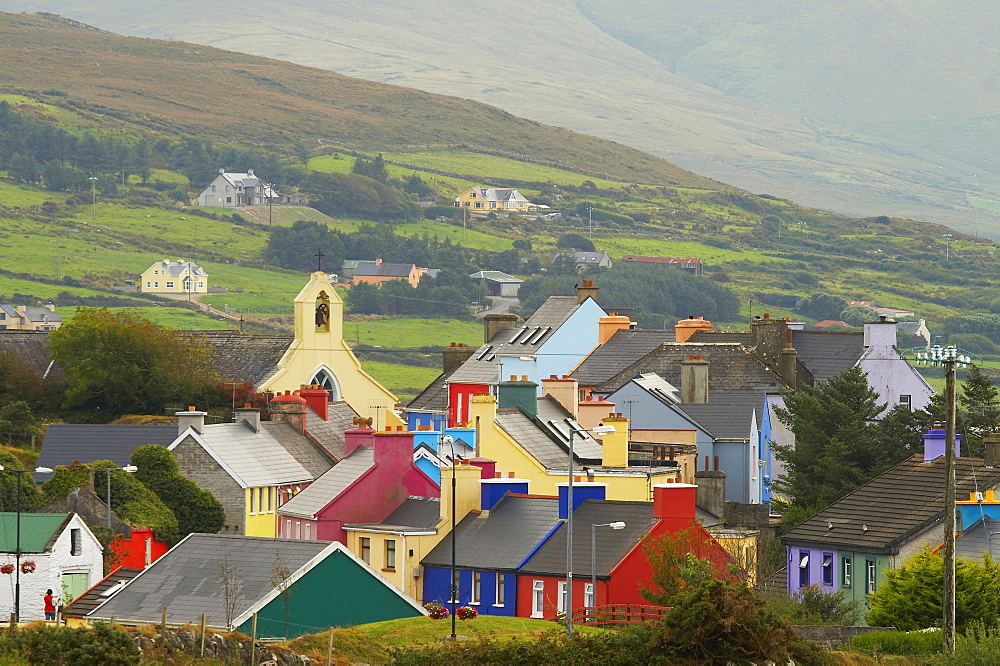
(409, 332)
(180, 319)
(406, 381)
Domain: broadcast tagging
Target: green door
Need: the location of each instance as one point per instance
(73, 585)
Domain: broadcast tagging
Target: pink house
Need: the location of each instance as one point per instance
(375, 476)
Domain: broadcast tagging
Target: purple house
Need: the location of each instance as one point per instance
(375, 477)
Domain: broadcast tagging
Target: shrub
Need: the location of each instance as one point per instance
(906, 643)
(197, 510)
(45, 645)
(979, 646)
(811, 605)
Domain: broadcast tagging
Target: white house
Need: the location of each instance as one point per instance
(67, 559)
(889, 373)
(233, 190)
(174, 277)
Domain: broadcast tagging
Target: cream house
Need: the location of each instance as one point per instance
(174, 277)
(494, 199)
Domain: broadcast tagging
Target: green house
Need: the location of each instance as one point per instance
(294, 587)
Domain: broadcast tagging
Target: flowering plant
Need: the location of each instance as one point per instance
(27, 567)
(435, 610)
(7, 569)
(466, 613)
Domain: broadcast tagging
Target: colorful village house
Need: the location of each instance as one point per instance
(850, 544)
(294, 587)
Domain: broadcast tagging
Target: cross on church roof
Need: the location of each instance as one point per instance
(319, 259)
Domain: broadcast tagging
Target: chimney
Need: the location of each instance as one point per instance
(494, 323)
(564, 390)
(767, 337)
(881, 333)
(590, 412)
(192, 418)
(318, 398)
(249, 172)
(608, 326)
(248, 414)
(586, 289)
(694, 380)
(788, 366)
(466, 491)
(455, 355)
(518, 393)
(685, 328)
(675, 504)
(355, 438)
(615, 447)
(394, 446)
(581, 491)
(291, 409)
(488, 467)
(711, 493)
(934, 443)
(991, 449)
(51, 306)
(492, 490)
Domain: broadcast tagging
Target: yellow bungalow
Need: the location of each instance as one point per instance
(174, 277)
(486, 199)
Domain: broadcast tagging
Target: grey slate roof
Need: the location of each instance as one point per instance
(534, 439)
(335, 480)
(370, 268)
(553, 418)
(977, 539)
(501, 538)
(435, 396)
(611, 545)
(30, 349)
(253, 458)
(483, 367)
(894, 506)
(625, 347)
(99, 593)
(826, 353)
(246, 358)
(330, 433)
(304, 451)
(732, 367)
(66, 443)
(415, 514)
(727, 414)
(41, 314)
(186, 579)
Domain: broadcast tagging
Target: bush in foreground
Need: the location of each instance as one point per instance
(55, 646)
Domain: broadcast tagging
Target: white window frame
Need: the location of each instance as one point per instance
(588, 595)
(501, 592)
(869, 576)
(845, 571)
(477, 587)
(538, 598)
(298, 529)
(907, 401)
(170, 285)
(561, 597)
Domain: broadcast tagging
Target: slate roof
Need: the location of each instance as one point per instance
(895, 506)
(30, 349)
(370, 268)
(499, 539)
(483, 367)
(41, 314)
(100, 593)
(534, 439)
(330, 433)
(176, 268)
(246, 358)
(303, 450)
(732, 367)
(585, 257)
(977, 539)
(66, 443)
(253, 458)
(38, 531)
(727, 414)
(334, 481)
(186, 579)
(826, 353)
(435, 396)
(415, 514)
(553, 417)
(625, 347)
(495, 276)
(611, 545)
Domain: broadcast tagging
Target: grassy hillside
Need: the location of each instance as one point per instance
(869, 110)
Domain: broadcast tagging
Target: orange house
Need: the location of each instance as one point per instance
(376, 272)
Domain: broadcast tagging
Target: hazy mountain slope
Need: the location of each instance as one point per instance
(572, 63)
(223, 95)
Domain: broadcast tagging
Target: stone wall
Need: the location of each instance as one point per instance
(834, 636)
(228, 649)
(197, 465)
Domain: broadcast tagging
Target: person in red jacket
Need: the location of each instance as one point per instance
(50, 606)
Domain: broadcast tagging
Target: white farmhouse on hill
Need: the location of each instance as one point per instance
(234, 190)
(174, 277)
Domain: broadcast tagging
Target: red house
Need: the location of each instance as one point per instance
(138, 551)
(622, 567)
(375, 477)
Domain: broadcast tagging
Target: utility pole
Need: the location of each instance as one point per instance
(948, 627)
(93, 192)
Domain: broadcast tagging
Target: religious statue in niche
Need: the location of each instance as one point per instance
(323, 313)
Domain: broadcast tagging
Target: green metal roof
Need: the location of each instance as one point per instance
(37, 530)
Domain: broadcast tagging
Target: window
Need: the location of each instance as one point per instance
(869, 576)
(537, 598)
(845, 571)
(366, 550)
(588, 595)
(493, 204)
(390, 554)
(904, 401)
(501, 591)
(479, 204)
(288, 529)
(308, 531)
(828, 568)
(561, 601)
(270, 499)
(260, 500)
(229, 199)
(201, 285)
(251, 502)
(298, 529)
(213, 188)
(170, 285)
(75, 545)
(156, 285)
(472, 195)
(148, 284)
(476, 586)
(803, 568)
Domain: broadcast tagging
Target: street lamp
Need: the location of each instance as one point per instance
(93, 191)
(590, 210)
(947, 246)
(17, 547)
(617, 525)
(453, 586)
(573, 431)
(127, 468)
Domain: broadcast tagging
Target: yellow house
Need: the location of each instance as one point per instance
(486, 199)
(519, 445)
(174, 277)
(741, 544)
(396, 546)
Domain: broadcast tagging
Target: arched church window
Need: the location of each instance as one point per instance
(328, 382)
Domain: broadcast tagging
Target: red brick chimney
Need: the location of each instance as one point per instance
(318, 398)
(291, 408)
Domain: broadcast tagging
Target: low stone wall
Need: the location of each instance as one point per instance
(218, 646)
(834, 636)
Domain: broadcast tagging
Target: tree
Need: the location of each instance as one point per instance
(30, 497)
(574, 241)
(820, 306)
(231, 582)
(119, 363)
(858, 315)
(980, 405)
(197, 510)
(838, 444)
(910, 597)
(373, 168)
(295, 247)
